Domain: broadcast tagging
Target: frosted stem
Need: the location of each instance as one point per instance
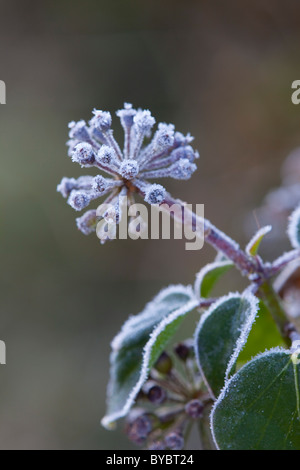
(215, 237)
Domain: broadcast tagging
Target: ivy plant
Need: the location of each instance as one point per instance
(238, 375)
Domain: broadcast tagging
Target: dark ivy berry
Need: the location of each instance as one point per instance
(184, 350)
(155, 393)
(174, 441)
(194, 409)
(139, 428)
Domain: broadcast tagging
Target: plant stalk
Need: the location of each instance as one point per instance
(246, 264)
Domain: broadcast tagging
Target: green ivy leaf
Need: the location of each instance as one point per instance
(253, 245)
(209, 275)
(264, 335)
(139, 344)
(258, 408)
(220, 336)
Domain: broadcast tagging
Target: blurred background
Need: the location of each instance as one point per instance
(220, 70)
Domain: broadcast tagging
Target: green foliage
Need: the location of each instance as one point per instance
(209, 275)
(254, 244)
(220, 336)
(259, 406)
(264, 335)
(139, 344)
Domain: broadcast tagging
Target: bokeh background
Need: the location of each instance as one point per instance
(220, 70)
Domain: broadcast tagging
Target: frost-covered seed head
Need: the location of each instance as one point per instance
(194, 409)
(106, 155)
(126, 115)
(180, 139)
(183, 169)
(96, 134)
(144, 121)
(186, 152)
(83, 153)
(79, 130)
(155, 194)
(164, 137)
(100, 184)
(168, 154)
(87, 222)
(129, 169)
(84, 182)
(66, 186)
(102, 120)
(79, 200)
(71, 144)
(174, 441)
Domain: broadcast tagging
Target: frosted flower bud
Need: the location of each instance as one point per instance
(182, 170)
(84, 182)
(144, 121)
(71, 144)
(100, 184)
(83, 153)
(66, 186)
(180, 139)
(96, 134)
(126, 115)
(79, 200)
(129, 169)
(101, 120)
(194, 409)
(186, 152)
(87, 223)
(164, 137)
(174, 441)
(106, 155)
(79, 130)
(155, 194)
